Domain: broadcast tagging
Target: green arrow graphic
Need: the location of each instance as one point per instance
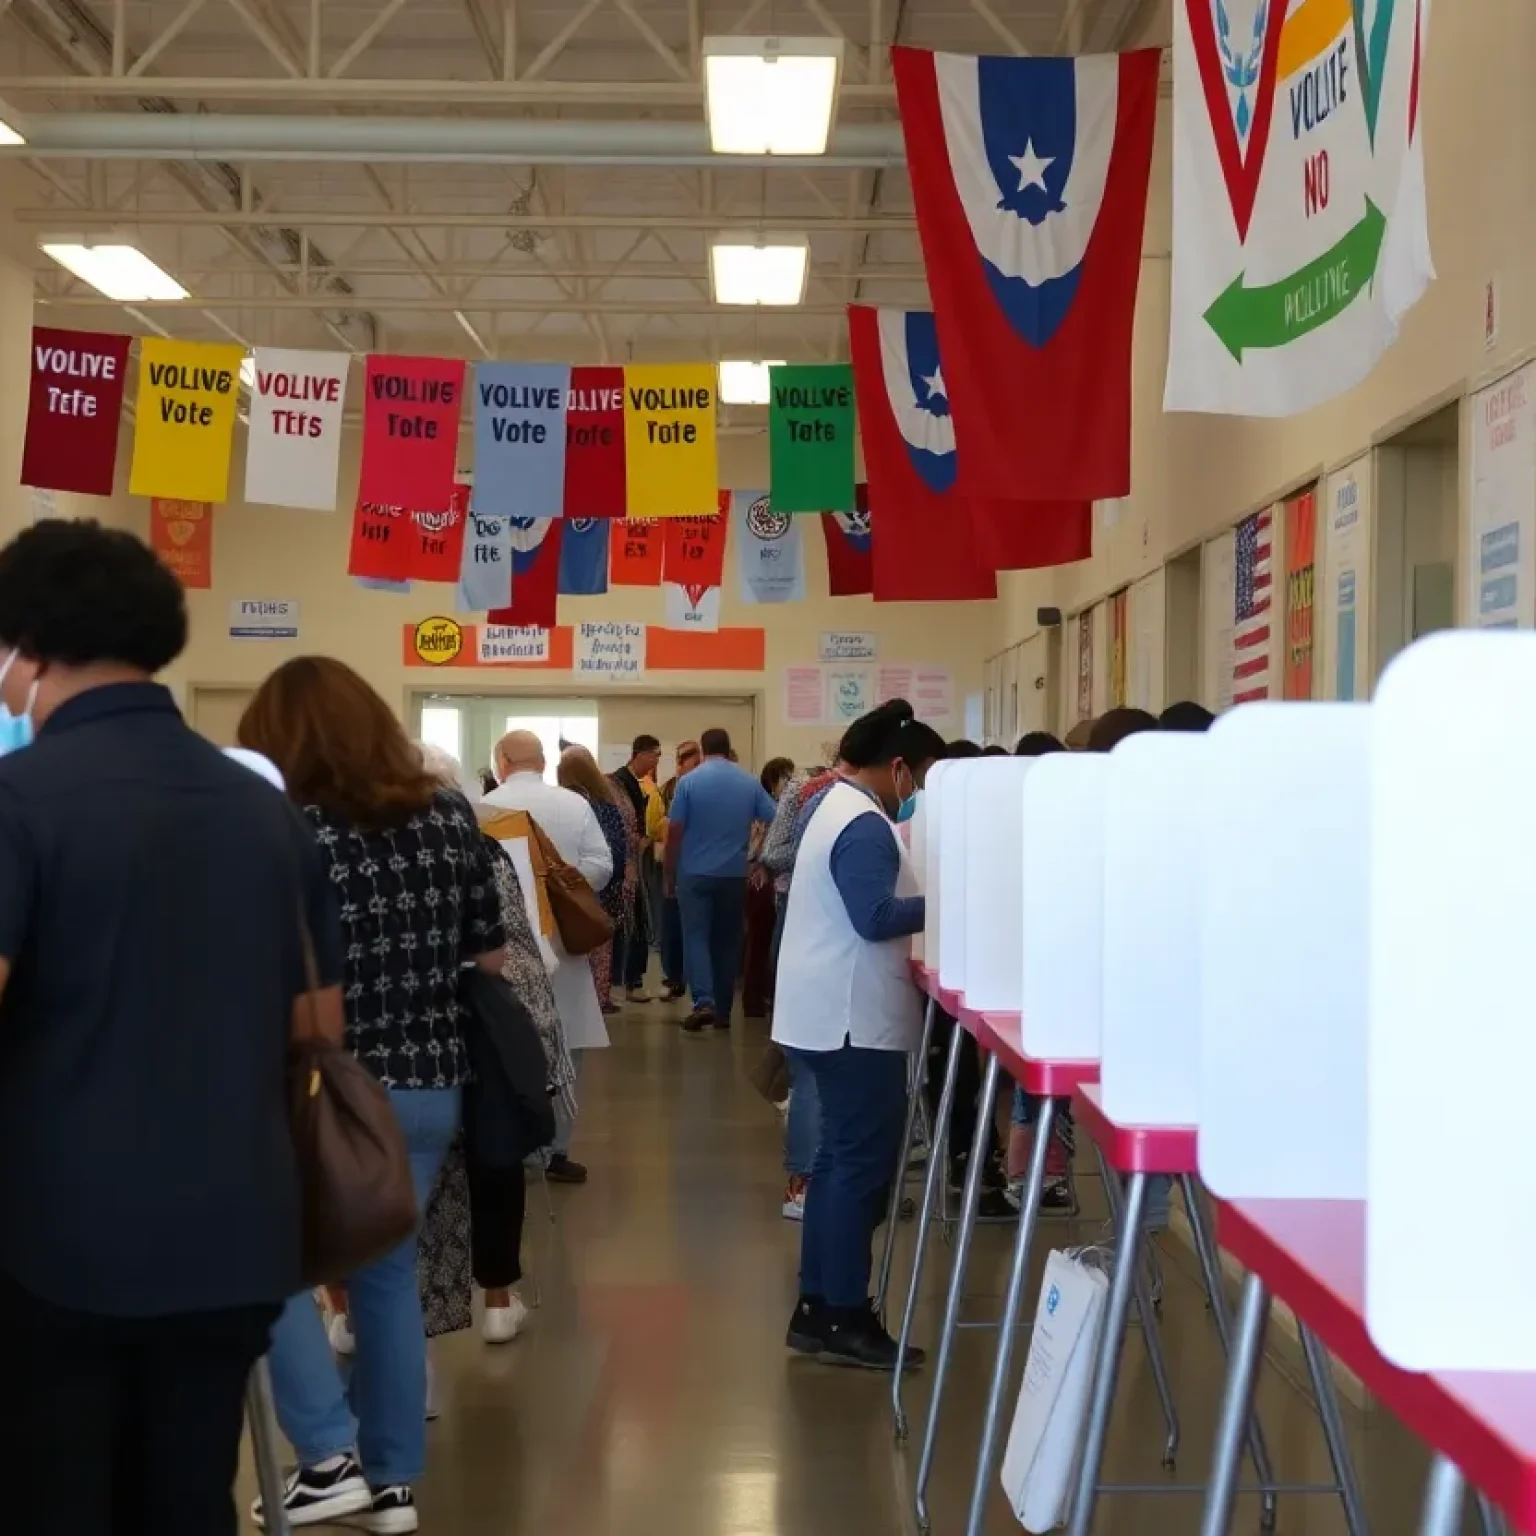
(1245, 319)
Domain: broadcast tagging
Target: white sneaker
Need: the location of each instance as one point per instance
(503, 1324)
(339, 1331)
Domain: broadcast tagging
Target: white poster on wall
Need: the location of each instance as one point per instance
(933, 694)
(512, 642)
(846, 645)
(264, 618)
(1502, 559)
(1343, 670)
(1218, 582)
(1144, 674)
(850, 692)
(613, 651)
(803, 702)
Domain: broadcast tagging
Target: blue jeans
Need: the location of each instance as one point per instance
(863, 1109)
(389, 1378)
(802, 1131)
(713, 909)
(671, 941)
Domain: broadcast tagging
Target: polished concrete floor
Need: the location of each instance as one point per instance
(651, 1395)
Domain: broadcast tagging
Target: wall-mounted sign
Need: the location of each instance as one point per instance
(254, 618)
(846, 645)
(438, 641)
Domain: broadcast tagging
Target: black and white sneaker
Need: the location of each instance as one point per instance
(393, 1513)
(322, 1495)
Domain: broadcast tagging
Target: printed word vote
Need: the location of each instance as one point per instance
(74, 365)
(591, 402)
(428, 392)
(670, 432)
(825, 397)
(300, 387)
(520, 397)
(196, 381)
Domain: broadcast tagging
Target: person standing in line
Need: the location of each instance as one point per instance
(578, 771)
(710, 827)
(656, 829)
(152, 896)
(761, 927)
(571, 825)
(849, 1013)
(632, 961)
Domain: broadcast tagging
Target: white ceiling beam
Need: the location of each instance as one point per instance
(438, 304)
(556, 45)
(416, 218)
(167, 35)
(119, 37)
(480, 25)
(360, 43)
(658, 45)
(509, 40)
(267, 37)
(1006, 35)
(474, 273)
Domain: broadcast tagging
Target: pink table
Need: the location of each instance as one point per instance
(1134, 1148)
(1311, 1254)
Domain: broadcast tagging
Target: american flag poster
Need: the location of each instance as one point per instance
(1253, 606)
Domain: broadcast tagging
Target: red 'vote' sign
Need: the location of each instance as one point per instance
(594, 443)
(411, 411)
(74, 409)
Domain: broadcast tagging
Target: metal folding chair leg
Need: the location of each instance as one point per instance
(969, 1201)
(1489, 1518)
(938, 1142)
(1236, 1417)
(918, 1079)
(1443, 1498)
(262, 1419)
(1321, 1373)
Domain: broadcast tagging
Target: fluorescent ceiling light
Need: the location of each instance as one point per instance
(122, 272)
(768, 269)
(10, 136)
(743, 382)
(771, 95)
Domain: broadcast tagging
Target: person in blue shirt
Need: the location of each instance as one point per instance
(709, 830)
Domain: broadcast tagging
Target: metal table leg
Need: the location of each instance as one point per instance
(969, 1201)
(1233, 1424)
(1489, 1518)
(1443, 1498)
(262, 1419)
(1333, 1432)
(1210, 1268)
(1107, 1365)
(991, 1421)
(919, 1078)
(938, 1140)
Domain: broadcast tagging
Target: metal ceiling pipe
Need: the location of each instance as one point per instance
(486, 141)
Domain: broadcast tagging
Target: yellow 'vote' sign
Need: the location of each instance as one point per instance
(669, 440)
(185, 424)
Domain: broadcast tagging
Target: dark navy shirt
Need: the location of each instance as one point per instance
(865, 863)
(151, 893)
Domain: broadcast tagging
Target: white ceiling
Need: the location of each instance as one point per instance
(478, 259)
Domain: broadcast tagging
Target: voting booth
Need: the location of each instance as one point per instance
(993, 874)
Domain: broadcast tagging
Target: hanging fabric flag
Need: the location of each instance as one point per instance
(181, 533)
(810, 438)
(849, 573)
(634, 553)
(293, 445)
(485, 565)
(436, 540)
(1029, 177)
(594, 443)
(768, 550)
(1025, 535)
(74, 409)
(381, 542)
(692, 605)
(669, 440)
(184, 424)
(584, 556)
(411, 431)
(520, 438)
(535, 545)
(1253, 602)
(1294, 258)
(694, 548)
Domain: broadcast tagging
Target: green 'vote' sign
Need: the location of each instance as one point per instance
(810, 438)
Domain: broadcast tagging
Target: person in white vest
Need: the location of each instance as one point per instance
(846, 1011)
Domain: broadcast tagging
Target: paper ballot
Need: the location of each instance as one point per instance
(1046, 1438)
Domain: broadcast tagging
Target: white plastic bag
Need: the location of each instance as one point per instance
(1046, 1439)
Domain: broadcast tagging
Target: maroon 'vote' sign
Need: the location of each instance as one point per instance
(74, 409)
(411, 411)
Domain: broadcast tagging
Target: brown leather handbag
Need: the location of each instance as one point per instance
(356, 1197)
(579, 917)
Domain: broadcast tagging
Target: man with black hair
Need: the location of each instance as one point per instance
(709, 830)
(152, 897)
(633, 953)
(1186, 715)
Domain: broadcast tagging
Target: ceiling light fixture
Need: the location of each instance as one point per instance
(771, 95)
(121, 272)
(762, 269)
(744, 382)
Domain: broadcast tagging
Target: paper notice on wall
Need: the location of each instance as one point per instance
(1344, 585)
(612, 755)
(1503, 554)
(846, 645)
(803, 702)
(849, 693)
(893, 683)
(933, 694)
(613, 651)
(691, 607)
(512, 643)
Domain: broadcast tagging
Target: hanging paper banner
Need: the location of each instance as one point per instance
(74, 409)
(436, 541)
(850, 568)
(520, 438)
(535, 544)
(694, 548)
(293, 446)
(485, 565)
(692, 605)
(768, 550)
(381, 542)
(411, 431)
(634, 553)
(669, 440)
(181, 533)
(584, 556)
(184, 425)
(810, 438)
(1300, 568)
(594, 443)
(1300, 230)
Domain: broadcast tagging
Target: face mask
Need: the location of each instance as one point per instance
(15, 730)
(907, 808)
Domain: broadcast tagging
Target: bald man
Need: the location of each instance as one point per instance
(571, 825)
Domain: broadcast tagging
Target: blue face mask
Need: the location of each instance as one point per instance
(15, 730)
(906, 809)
